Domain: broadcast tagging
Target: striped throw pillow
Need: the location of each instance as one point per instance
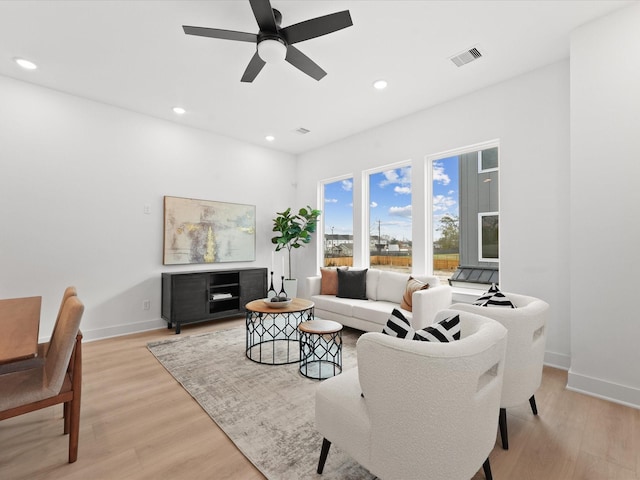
(494, 298)
(447, 330)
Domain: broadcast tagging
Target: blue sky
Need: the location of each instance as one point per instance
(338, 207)
(445, 190)
(390, 200)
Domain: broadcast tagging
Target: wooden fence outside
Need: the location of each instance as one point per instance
(446, 262)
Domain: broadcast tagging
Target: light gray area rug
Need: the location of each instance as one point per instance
(266, 410)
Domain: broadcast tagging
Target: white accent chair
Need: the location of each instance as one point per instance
(418, 410)
(526, 325)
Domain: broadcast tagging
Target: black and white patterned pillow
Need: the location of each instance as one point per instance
(494, 298)
(447, 330)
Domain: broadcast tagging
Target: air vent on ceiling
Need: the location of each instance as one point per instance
(467, 56)
(302, 130)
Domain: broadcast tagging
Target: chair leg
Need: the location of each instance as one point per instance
(326, 444)
(74, 404)
(532, 402)
(66, 416)
(486, 466)
(74, 428)
(503, 428)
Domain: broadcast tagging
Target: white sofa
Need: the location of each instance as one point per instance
(384, 293)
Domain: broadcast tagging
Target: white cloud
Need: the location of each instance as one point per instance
(330, 200)
(438, 174)
(400, 176)
(442, 203)
(347, 185)
(400, 211)
(374, 204)
(402, 190)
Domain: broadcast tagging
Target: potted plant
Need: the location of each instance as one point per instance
(294, 231)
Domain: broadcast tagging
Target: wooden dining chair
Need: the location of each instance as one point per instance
(57, 380)
(43, 348)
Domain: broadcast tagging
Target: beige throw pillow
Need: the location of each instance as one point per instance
(329, 281)
(413, 285)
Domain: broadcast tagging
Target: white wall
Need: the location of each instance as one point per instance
(75, 177)
(530, 117)
(605, 207)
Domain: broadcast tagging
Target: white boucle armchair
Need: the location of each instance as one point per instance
(526, 325)
(418, 410)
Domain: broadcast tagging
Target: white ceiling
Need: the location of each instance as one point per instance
(134, 54)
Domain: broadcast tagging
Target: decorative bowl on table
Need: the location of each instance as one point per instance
(281, 302)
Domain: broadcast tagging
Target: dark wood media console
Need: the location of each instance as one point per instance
(190, 297)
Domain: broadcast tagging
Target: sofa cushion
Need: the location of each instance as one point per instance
(376, 312)
(352, 284)
(331, 303)
(391, 286)
(329, 282)
(373, 276)
(494, 298)
(413, 285)
(446, 330)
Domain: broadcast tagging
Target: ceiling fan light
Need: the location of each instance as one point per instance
(272, 51)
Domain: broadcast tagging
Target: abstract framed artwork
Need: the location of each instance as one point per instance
(204, 231)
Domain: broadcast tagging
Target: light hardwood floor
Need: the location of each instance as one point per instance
(138, 423)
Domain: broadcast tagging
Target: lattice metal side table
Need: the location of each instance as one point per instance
(272, 333)
(320, 348)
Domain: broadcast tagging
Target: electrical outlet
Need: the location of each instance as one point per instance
(146, 304)
(147, 209)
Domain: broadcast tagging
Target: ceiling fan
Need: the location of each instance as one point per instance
(275, 43)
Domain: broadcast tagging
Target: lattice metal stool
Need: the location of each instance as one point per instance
(320, 348)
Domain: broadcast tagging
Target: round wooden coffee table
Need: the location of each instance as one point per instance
(272, 333)
(320, 348)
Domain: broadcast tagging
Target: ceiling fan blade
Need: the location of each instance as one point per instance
(253, 69)
(316, 27)
(264, 15)
(218, 33)
(303, 63)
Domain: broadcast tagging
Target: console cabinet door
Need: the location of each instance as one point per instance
(253, 285)
(190, 297)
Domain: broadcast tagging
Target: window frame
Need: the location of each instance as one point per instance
(366, 210)
(320, 229)
(428, 184)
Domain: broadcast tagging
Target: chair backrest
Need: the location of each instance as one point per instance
(62, 343)
(526, 342)
(68, 292)
(433, 407)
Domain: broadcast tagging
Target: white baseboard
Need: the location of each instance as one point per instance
(603, 389)
(557, 360)
(124, 329)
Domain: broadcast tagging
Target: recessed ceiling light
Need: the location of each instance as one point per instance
(380, 84)
(269, 138)
(179, 110)
(26, 64)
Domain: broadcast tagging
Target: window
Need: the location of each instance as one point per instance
(488, 238)
(488, 160)
(337, 218)
(465, 213)
(390, 223)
